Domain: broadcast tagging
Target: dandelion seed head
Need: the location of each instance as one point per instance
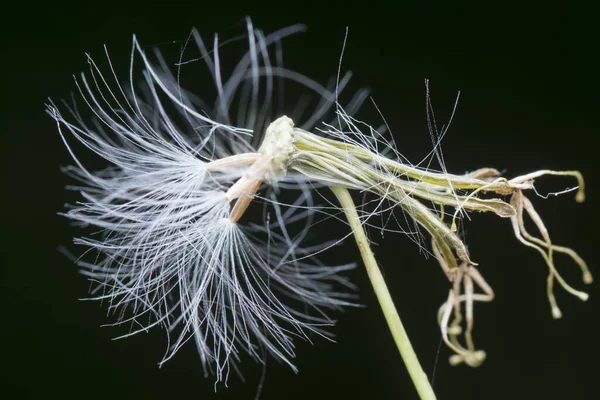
(170, 242)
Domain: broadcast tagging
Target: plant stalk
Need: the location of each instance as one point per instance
(407, 352)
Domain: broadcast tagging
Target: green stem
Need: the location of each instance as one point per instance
(383, 296)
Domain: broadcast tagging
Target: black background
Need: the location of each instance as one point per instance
(529, 100)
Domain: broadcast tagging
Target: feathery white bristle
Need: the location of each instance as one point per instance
(164, 251)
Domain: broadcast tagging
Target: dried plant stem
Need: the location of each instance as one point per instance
(407, 352)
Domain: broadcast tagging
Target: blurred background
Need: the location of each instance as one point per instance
(528, 78)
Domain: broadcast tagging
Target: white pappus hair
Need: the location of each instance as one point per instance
(164, 250)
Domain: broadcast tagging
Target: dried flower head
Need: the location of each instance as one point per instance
(173, 246)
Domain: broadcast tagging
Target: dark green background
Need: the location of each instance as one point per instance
(529, 99)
